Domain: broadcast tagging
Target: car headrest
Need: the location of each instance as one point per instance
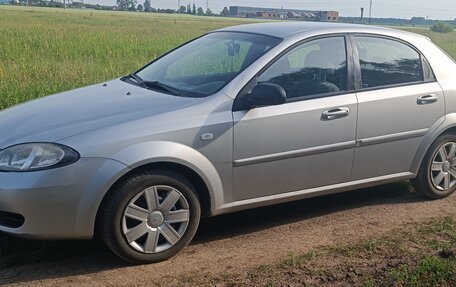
(319, 59)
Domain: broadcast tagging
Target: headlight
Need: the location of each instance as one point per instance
(36, 156)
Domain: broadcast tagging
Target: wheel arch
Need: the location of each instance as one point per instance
(174, 157)
(441, 127)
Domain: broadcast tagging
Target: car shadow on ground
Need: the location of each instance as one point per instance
(86, 257)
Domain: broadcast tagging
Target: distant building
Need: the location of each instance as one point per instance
(262, 12)
(330, 16)
(293, 15)
(267, 15)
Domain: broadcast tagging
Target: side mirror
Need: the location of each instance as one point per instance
(267, 95)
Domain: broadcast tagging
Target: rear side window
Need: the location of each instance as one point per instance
(386, 62)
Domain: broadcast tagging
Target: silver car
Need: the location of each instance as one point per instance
(238, 118)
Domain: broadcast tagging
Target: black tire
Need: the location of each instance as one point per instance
(112, 210)
(423, 182)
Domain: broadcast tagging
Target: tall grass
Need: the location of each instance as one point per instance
(45, 51)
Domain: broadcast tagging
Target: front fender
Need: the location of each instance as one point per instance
(164, 151)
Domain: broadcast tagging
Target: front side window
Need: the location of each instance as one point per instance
(387, 62)
(314, 68)
(205, 65)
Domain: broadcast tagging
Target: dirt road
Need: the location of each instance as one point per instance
(229, 243)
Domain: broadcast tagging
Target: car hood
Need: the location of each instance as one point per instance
(70, 113)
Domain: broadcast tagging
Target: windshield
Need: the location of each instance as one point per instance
(205, 65)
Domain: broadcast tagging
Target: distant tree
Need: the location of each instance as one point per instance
(140, 8)
(194, 9)
(147, 6)
(442, 27)
(418, 21)
(167, 11)
(189, 9)
(126, 4)
(122, 4)
(182, 9)
(209, 12)
(74, 4)
(225, 12)
(200, 11)
(38, 2)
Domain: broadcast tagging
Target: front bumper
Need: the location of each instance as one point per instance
(60, 203)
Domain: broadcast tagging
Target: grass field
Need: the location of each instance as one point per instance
(421, 255)
(45, 51)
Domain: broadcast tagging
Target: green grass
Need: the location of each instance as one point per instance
(45, 51)
(430, 271)
(399, 258)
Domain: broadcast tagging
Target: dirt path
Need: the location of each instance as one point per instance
(229, 243)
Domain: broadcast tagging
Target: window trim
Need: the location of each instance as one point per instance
(357, 64)
(351, 81)
(431, 76)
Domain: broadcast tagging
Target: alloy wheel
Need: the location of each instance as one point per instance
(443, 167)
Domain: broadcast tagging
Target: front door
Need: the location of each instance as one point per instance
(308, 141)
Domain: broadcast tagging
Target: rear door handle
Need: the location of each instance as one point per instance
(336, 113)
(428, 99)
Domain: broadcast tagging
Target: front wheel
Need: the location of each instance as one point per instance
(150, 217)
(437, 174)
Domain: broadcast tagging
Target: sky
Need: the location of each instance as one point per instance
(433, 9)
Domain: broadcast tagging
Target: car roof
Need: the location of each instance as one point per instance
(288, 28)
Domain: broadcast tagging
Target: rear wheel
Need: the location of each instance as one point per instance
(150, 217)
(437, 175)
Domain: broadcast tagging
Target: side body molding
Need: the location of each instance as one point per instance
(164, 151)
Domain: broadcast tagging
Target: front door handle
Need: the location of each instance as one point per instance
(428, 99)
(335, 114)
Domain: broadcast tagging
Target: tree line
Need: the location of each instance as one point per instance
(414, 21)
(125, 5)
(132, 5)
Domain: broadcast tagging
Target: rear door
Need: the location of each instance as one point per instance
(399, 100)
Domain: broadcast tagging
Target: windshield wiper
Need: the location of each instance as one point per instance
(163, 87)
(138, 80)
(154, 85)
